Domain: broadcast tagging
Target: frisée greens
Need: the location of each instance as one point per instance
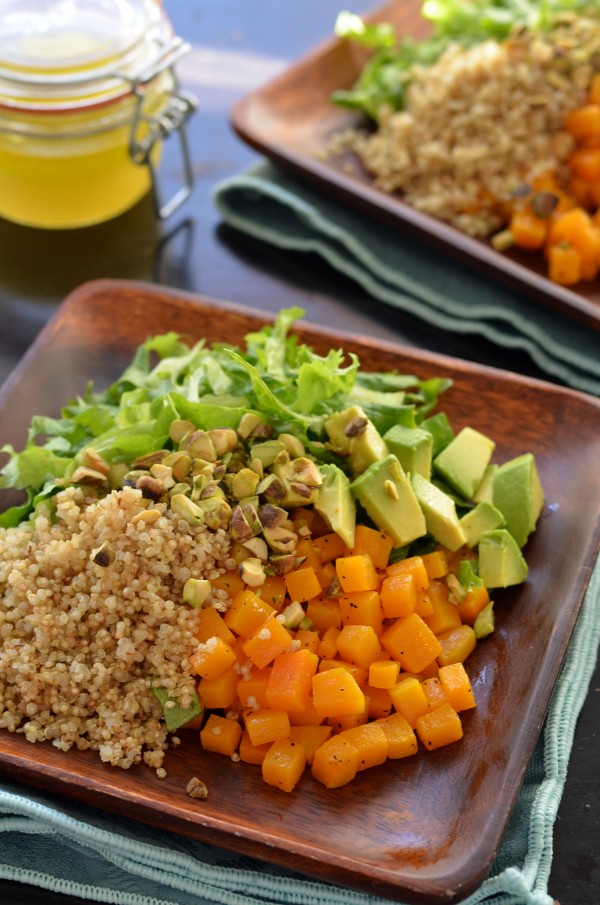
(292, 387)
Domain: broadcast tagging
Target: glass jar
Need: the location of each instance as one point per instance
(88, 94)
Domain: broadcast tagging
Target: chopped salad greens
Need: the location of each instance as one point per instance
(292, 387)
(386, 76)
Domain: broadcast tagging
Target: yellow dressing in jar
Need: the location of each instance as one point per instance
(87, 95)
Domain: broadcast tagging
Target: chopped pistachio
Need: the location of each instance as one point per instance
(267, 451)
(178, 429)
(282, 563)
(104, 555)
(244, 483)
(152, 488)
(293, 614)
(391, 490)
(164, 474)
(149, 459)
(94, 460)
(307, 472)
(200, 446)
(216, 512)
(239, 528)
(248, 422)
(195, 591)
(252, 572)
(147, 516)
(280, 539)
(272, 516)
(258, 547)
(180, 464)
(187, 509)
(89, 477)
(293, 445)
(224, 440)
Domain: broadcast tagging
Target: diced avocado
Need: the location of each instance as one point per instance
(501, 562)
(484, 517)
(485, 623)
(464, 461)
(441, 431)
(440, 513)
(386, 494)
(336, 503)
(355, 434)
(518, 494)
(413, 447)
(484, 492)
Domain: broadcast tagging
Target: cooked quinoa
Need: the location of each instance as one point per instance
(82, 642)
(479, 123)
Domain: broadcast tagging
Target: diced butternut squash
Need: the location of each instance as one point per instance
(272, 591)
(357, 573)
(221, 735)
(411, 642)
(474, 601)
(457, 686)
(362, 608)
(445, 614)
(377, 544)
(311, 738)
(210, 622)
(564, 264)
(230, 582)
(399, 595)
(402, 741)
(335, 762)
(370, 741)
(436, 564)
(439, 727)
(336, 692)
(456, 645)
(252, 754)
(327, 648)
(384, 673)
(308, 639)
(284, 764)
(409, 698)
(302, 584)
(290, 682)
(267, 726)
(246, 613)
(329, 547)
(212, 658)
(434, 692)
(359, 645)
(221, 692)
(266, 642)
(252, 688)
(379, 702)
(324, 612)
(415, 566)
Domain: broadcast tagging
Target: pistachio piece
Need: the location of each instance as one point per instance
(262, 430)
(179, 428)
(149, 459)
(252, 572)
(163, 473)
(272, 516)
(180, 464)
(224, 440)
(280, 539)
(282, 563)
(216, 512)
(293, 445)
(271, 487)
(301, 489)
(89, 477)
(257, 466)
(187, 509)
(250, 509)
(200, 446)
(95, 461)
(356, 427)
(195, 591)
(117, 473)
(248, 422)
(152, 488)
(267, 452)
(244, 483)
(306, 472)
(293, 614)
(258, 547)
(239, 528)
(104, 555)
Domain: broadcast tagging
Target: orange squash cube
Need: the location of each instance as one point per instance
(402, 741)
(475, 600)
(246, 613)
(252, 754)
(327, 648)
(220, 735)
(409, 698)
(336, 693)
(335, 762)
(266, 642)
(359, 674)
(362, 608)
(358, 644)
(210, 622)
(456, 645)
(212, 658)
(436, 564)
(266, 725)
(411, 642)
(302, 584)
(434, 692)
(290, 682)
(272, 591)
(324, 613)
(252, 688)
(376, 543)
(311, 738)
(384, 673)
(399, 595)
(230, 582)
(308, 639)
(284, 764)
(221, 692)
(329, 547)
(457, 686)
(370, 741)
(439, 727)
(356, 573)
(416, 567)
(445, 615)
(379, 702)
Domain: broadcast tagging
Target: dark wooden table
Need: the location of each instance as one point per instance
(238, 45)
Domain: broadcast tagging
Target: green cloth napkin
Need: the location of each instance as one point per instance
(66, 847)
(403, 272)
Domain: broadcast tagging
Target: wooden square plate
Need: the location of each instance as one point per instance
(291, 120)
(424, 829)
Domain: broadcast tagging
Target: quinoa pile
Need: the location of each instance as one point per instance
(81, 643)
(479, 123)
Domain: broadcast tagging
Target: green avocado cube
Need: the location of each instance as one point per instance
(439, 510)
(386, 494)
(464, 461)
(501, 562)
(484, 517)
(484, 491)
(413, 447)
(355, 434)
(336, 503)
(517, 493)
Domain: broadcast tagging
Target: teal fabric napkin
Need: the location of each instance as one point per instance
(50, 842)
(403, 272)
